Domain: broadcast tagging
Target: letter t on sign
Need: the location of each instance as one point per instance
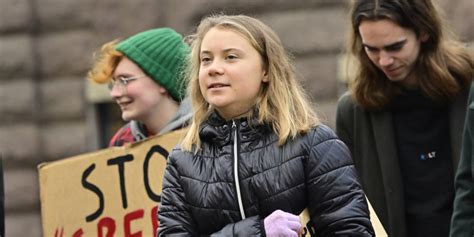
(120, 161)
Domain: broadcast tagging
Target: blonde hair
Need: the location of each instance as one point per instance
(281, 102)
(106, 60)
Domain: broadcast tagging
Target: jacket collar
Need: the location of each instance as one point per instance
(382, 127)
(181, 118)
(217, 130)
(139, 130)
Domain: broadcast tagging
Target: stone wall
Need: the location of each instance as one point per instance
(46, 48)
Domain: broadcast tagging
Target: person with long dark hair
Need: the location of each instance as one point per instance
(403, 115)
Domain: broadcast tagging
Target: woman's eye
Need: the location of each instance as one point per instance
(231, 57)
(394, 48)
(205, 59)
(371, 50)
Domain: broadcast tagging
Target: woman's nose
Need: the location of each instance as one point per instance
(116, 90)
(216, 68)
(385, 59)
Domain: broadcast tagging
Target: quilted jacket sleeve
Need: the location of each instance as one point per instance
(337, 203)
(176, 220)
(249, 226)
(173, 213)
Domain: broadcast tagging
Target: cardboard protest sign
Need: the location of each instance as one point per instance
(378, 227)
(111, 192)
(309, 231)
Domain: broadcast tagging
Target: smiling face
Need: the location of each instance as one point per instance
(393, 49)
(140, 99)
(231, 72)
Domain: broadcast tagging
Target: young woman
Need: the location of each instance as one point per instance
(255, 154)
(144, 76)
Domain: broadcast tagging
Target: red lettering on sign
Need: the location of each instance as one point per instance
(138, 214)
(154, 220)
(78, 233)
(107, 223)
(106, 226)
(60, 233)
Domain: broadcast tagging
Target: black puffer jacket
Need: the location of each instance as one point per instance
(315, 170)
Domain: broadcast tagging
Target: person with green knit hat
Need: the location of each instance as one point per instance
(145, 79)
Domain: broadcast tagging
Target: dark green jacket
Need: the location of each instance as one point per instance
(462, 223)
(370, 137)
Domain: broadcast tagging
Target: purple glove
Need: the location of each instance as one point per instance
(281, 223)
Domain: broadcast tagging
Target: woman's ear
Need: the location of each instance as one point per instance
(265, 76)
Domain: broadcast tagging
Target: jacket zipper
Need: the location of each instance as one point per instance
(236, 171)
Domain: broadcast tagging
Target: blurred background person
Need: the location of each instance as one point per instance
(462, 223)
(402, 118)
(144, 76)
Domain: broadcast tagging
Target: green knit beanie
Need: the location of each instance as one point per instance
(161, 53)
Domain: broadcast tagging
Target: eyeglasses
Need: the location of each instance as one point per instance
(122, 81)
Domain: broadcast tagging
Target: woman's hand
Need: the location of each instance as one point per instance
(281, 223)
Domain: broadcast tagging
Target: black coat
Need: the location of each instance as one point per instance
(314, 171)
(371, 138)
(462, 223)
